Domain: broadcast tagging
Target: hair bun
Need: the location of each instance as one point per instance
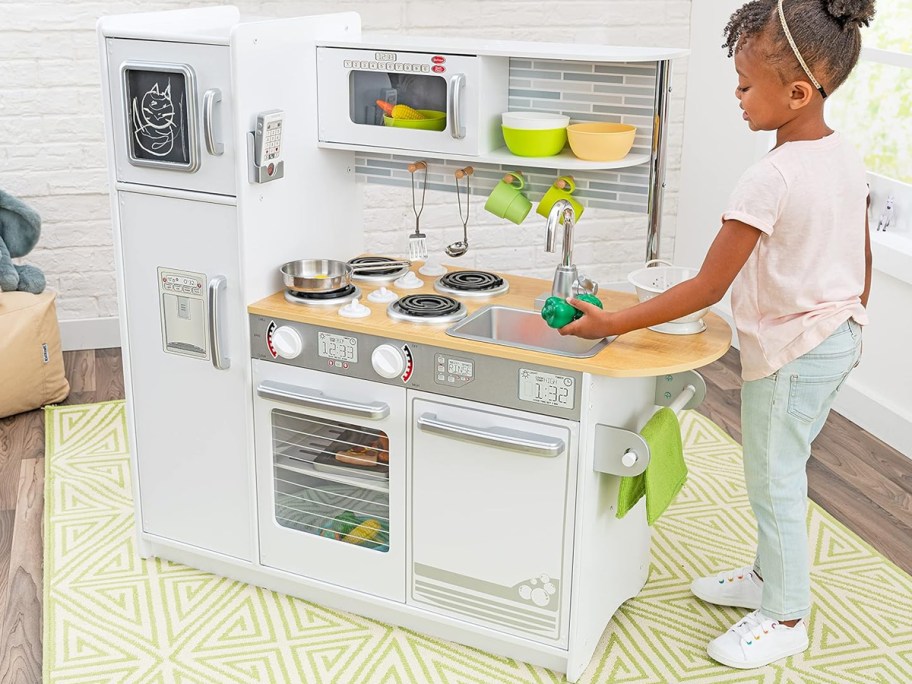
(851, 13)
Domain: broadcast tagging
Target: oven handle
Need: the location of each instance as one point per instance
(292, 394)
(503, 438)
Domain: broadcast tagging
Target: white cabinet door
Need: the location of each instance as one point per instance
(192, 421)
(171, 114)
(491, 514)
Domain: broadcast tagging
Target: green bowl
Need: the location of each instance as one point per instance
(435, 121)
(535, 143)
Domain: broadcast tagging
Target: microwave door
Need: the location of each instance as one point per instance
(421, 91)
(366, 88)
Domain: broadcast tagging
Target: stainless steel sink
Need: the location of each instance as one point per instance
(524, 329)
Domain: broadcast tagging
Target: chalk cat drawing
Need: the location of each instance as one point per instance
(154, 126)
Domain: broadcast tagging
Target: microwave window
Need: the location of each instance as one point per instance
(425, 93)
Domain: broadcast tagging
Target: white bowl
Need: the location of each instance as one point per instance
(534, 121)
(652, 280)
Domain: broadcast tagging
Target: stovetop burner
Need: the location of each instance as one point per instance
(471, 284)
(381, 276)
(426, 308)
(341, 296)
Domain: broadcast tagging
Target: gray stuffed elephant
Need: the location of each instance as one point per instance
(20, 227)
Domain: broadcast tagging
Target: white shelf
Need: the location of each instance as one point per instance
(565, 160)
(579, 52)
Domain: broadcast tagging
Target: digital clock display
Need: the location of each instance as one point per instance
(385, 56)
(546, 388)
(338, 347)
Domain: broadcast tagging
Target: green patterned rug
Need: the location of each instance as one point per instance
(111, 617)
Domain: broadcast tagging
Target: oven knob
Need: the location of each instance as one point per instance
(287, 342)
(388, 361)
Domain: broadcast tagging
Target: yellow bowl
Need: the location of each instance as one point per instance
(598, 141)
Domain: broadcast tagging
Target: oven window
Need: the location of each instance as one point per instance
(331, 479)
(424, 93)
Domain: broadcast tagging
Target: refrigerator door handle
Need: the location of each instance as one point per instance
(216, 287)
(210, 98)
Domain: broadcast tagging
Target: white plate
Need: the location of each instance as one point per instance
(672, 328)
(534, 121)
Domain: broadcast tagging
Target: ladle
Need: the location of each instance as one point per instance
(457, 249)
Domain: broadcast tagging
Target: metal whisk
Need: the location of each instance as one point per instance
(417, 245)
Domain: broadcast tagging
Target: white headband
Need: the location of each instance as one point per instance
(791, 42)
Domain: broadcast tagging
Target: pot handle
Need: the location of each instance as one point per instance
(657, 261)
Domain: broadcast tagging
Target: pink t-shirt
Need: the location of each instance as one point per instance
(806, 274)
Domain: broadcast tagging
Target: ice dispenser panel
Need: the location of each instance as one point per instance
(183, 312)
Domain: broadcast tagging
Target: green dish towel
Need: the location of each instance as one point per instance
(666, 472)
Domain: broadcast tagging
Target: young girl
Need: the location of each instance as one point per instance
(794, 245)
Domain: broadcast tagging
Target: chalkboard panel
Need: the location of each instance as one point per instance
(161, 121)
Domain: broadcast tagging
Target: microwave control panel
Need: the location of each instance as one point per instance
(373, 65)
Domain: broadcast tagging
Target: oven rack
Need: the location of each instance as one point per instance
(363, 480)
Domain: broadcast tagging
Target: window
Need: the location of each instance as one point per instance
(874, 106)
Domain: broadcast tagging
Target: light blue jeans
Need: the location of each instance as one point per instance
(781, 415)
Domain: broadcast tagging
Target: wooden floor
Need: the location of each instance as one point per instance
(857, 478)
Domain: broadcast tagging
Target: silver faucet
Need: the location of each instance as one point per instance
(567, 280)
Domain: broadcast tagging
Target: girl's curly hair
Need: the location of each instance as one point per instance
(826, 33)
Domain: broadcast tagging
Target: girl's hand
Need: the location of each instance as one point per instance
(593, 325)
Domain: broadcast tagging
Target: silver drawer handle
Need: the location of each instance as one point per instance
(503, 438)
(292, 394)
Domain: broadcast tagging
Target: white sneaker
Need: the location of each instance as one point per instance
(739, 588)
(757, 640)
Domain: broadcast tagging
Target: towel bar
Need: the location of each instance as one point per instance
(619, 451)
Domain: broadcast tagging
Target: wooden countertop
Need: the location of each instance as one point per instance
(635, 354)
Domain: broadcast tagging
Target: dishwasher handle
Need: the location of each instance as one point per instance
(300, 396)
(502, 438)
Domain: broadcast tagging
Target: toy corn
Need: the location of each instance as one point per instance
(364, 532)
(400, 111)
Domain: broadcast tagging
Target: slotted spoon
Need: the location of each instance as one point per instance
(417, 244)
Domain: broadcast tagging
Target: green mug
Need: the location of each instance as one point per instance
(562, 188)
(507, 201)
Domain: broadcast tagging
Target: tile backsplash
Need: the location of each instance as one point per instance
(618, 92)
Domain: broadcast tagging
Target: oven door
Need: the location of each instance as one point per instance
(330, 455)
(350, 81)
(492, 505)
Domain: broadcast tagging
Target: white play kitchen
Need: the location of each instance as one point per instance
(393, 437)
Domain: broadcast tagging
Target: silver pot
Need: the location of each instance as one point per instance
(316, 275)
(326, 275)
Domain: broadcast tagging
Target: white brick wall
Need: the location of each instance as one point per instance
(52, 146)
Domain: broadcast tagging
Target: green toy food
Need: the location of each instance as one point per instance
(557, 312)
(591, 299)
